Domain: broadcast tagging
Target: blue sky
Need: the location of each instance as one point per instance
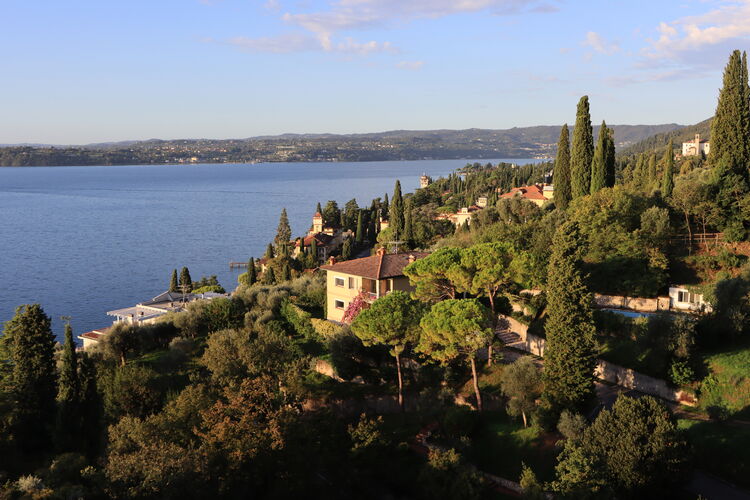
(80, 71)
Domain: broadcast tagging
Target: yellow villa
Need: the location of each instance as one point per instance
(376, 275)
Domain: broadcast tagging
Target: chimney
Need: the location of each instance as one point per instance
(411, 258)
(380, 251)
(332, 260)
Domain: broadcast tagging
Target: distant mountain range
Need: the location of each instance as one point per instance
(517, 142)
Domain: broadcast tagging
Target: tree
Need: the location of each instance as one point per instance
(283, 232)
(269, 252)
(251, 272)
(186, 283)
(269, 277)
(652, 173)
(173, 283)
(598, 163)
(360, 234)
(392, 320)
(119, 342)
(68, 394)
(531, 488)
(331, 214)
(349, 215)
(408, 235)
(730, 128)
(314, 252)
(582, 151)
(286, 273)
(33, 378)
(667, 181)
(433, 276)
(633, 449)
(562, 170)
(521, 382)
(456, 328)
(346, 249)
(396, 212)
(570, 351)
(609, 158)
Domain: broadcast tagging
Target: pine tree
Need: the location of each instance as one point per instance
(283, 232)
(251, 273)
(360, 234)
(570, 351)
(269, 252)
(396, 212)
(173, 283)
(609, 158)
(408, 235)
(582, 151)
(33, 377)
(68, 396)
(346, 249)
(186, 283)
(598, 167)
(667, 182)
(561, 173)
(730, 128)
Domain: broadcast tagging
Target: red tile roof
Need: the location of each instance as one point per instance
(376, 267)
(321, 238)
(95, 334)
(534, 192)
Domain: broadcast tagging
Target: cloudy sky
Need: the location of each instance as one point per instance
(80, 71)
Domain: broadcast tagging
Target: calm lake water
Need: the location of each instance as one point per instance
(85, 240)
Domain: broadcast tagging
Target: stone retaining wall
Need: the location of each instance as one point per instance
(633, 303)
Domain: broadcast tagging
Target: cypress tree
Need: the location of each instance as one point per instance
(269, 277)
(561, 179)
(652, 172)
(68, 395)
(283, 231)
(360, 234)
(251, 273)
(570, 351)
(314, 251)
(609, 158)
(582, 151)
(396, 212)
(408, 235)
(598, 167)
(319, 209)
(32, 378)
(90, 406)
(186, 283)
(173, 283)
(346, 249)
(385, 208)
(286, 272)
(730, 128)
(667, 182)
(269, 252)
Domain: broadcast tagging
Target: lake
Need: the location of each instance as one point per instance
(85, 240)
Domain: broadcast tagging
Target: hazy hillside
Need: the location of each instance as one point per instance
(679, 135)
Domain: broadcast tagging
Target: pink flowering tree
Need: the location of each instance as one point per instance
(356, 306)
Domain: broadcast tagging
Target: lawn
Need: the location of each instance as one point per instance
(721, 449)
(728, 384)
(501, 444)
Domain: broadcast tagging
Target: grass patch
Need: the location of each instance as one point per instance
(501, 444)
(728, 383)
(317, 385)
(632, 354)
(489, 380)
(721, 449)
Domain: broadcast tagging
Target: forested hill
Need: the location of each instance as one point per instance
(661, 139)
(517, 142)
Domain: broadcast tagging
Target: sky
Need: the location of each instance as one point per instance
(84, 71)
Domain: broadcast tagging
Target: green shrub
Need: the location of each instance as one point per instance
(681, 373)
(325, 328)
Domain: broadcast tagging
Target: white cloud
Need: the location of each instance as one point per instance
(411, 65)
(729, 23)
(599, 44)
(300, 42)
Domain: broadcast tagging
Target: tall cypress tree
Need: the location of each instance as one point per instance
(286, 272)
(652, 172)
(33, 378)
(570, 350)
(598, 167)
(396, 212)
(269, 252)
(186, 282)
(319, 209)
(408, 235)
(667, 182)
(252, 277)
(346, 249)
(582, 151)
(385, 207)
(561, 177)
(68, 396)
(730, 128)
(173, 283)
(314, 251)
(283, 231)
(360, 234)
(609, 158)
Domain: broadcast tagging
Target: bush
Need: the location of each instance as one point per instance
(681, 373)
(325, 328)
(460, 421)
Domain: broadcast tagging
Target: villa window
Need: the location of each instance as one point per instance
(339, 304)
(352, 283)
(339, 282)
(683, 296)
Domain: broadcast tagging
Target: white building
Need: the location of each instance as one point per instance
(695, 147)
(682, 299)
